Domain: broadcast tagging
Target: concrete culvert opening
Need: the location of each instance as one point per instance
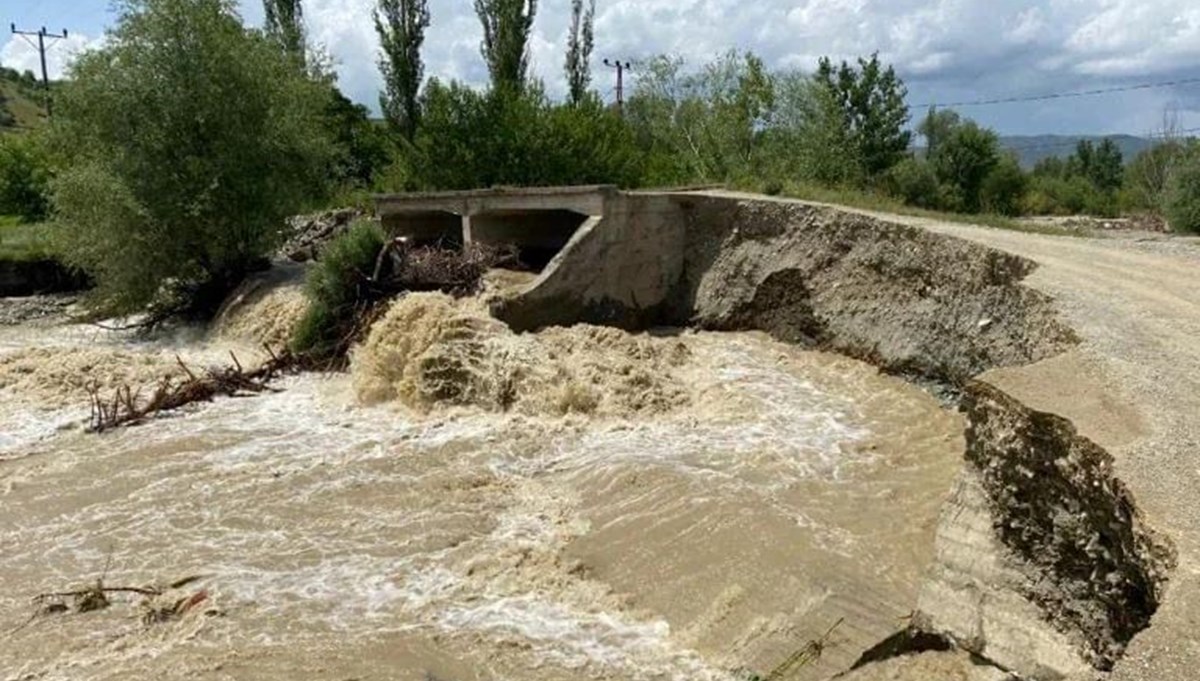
(538, 235)
(426, 228)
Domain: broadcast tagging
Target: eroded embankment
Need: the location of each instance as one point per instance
(1043, 564)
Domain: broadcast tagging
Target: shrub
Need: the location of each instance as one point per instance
(1003, 187)
(24, 178)
(192, 138)
(1182, 200)
(333, 291)
(913, 182)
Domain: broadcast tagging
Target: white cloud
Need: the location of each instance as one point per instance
(946, 50)
(21, 53)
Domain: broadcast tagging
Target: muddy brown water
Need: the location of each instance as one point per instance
(339, 541)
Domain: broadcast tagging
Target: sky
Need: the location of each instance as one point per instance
(945, 50)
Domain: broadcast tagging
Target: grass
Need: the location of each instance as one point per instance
(873, 201)
(26, 110)
(23, 241)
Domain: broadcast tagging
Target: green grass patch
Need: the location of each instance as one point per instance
(24, 241)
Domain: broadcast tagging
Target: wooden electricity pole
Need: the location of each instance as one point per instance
(621, 67)
(42, 35)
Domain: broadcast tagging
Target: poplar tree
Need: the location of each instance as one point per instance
(505, 47)
(401, 27)
(579, 49)
(285, 23)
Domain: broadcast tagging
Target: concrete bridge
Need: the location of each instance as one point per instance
(563, 233)
(538, 221)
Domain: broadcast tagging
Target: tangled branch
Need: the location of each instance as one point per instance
(126, 407)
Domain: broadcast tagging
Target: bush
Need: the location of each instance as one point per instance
(192, 138)
(24, 178)
(913, 182)
(333, 291)
(1182, 200)
(1003, 187)
(1071, 195)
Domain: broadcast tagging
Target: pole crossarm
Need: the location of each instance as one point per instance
(42, 36)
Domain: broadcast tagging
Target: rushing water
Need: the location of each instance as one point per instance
(339, 541)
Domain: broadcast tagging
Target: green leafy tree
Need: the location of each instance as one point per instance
(285, 23)
(963, 161)
(936, 127)
(362, 147)
(505, 47)
(579, 49)
(401, 26)
(471, 139)
(24, 177)
(706, 126)
(870, 99)
(1101, 164)
(1004, 187)
(191, 139)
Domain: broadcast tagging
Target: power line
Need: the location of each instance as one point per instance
(1060, 95)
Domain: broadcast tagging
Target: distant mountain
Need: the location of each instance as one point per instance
(1032, 148)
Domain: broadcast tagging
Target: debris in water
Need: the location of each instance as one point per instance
(125, 407)
(803, 657)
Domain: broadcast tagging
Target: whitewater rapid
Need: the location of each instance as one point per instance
(708, 537)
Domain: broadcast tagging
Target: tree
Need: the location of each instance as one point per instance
(191, 139)
(579, 49)
(709, 125)
(24, 177)
(505, 47)
(962, 163)
(401, 27)
(362, 146)
(474, 139)
(1182, 201)
(936, 127)
(1147, 175)
(285, 23)
(870, 99)
(1003, 187)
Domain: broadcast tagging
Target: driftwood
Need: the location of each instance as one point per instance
(458, 272)
(126, 407)
(154, 604)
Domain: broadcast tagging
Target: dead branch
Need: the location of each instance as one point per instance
(127, 408)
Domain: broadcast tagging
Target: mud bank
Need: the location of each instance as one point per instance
(1043, 564)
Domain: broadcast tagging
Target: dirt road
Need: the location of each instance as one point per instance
(1133, 386)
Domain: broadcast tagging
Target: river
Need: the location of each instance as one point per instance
(779, 491)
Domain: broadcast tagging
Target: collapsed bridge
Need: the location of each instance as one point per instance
(1049, 579)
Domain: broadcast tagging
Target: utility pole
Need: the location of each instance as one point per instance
(42, 35)
(621, 67)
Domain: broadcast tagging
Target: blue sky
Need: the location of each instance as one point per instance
(946, 50)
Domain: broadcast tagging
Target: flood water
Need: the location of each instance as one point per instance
(793, 489)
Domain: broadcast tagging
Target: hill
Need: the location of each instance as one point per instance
(20, 101)
(1032, 148)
